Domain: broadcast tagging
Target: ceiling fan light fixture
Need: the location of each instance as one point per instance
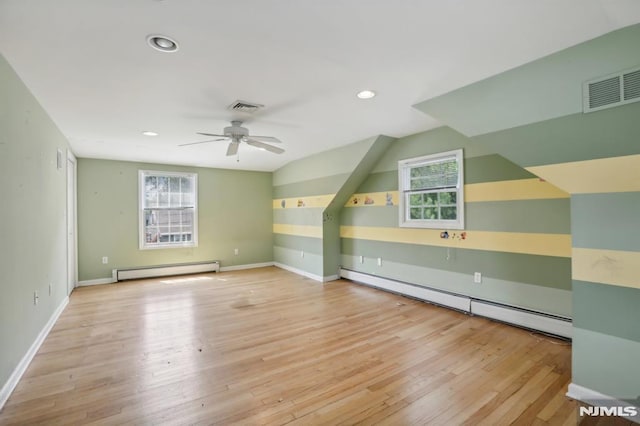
(366, 94)
(162, 43)
(149, 133)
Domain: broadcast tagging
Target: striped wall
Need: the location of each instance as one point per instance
(517, 230)
(594, 157)
(306, 195)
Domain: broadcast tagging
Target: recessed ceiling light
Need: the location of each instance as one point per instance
(366, 94)
(147, 133)
(162, 43)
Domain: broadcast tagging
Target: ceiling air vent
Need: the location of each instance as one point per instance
(612, 90)
(245, 106)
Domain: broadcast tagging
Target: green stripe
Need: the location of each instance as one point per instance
(492, 168)
(430, 142)
(543, 299)
(320, 186)
(311, 262)
(606, 221)
(607, 309)
(302, 216)
(378, 182)
(531, 216)
(608, 133)
(545, 271)
(606, 364)
(295, 242)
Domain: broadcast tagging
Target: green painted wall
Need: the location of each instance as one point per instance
(234, 211)
(541, 90)
(336, 173)
(541, 283)
(532, 116)
(33, 225)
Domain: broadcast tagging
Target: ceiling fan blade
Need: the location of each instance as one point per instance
(233, 148)
(211, 134)
(267, 139)
(265, 146)
(207, 141)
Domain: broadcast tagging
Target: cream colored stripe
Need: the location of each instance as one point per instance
(519, 189)
(301, 202)
(298, 230)
(558, 245)
(373, 199)
(617, 174)
(614, 267)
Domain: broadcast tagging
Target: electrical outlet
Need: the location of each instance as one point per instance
(301, 253)
(35, 297)
(105, 260)
(361, 259)
(50, 285)
(236, 252)
(379, 261)
(477, 278)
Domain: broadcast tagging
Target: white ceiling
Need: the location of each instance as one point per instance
(88, 64)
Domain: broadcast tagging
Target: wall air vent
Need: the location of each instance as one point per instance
(612, 90)
(245, 106)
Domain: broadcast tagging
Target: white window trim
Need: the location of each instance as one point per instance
(404, 167)
(141, 228)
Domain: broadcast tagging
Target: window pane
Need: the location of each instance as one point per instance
(415, 199)
(163, 200)
(415, 213)
(174, 184)
(430, 213)
(186, 184)
(175, 200)
(448, 213)
(448, 198)
(431, 199)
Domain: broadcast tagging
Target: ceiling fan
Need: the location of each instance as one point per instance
(236, 134)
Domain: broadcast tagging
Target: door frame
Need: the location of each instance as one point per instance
(72, 222)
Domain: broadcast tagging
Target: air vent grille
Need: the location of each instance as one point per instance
(631, 85)
(604, 92)
(245, 106)
(613, 90)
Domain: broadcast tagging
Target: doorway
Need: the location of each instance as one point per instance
(72, 240)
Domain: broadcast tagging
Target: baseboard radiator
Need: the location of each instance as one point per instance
(165, 270)
(532, 320)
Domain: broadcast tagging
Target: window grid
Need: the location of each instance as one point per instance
(432, 191)
(168, 209)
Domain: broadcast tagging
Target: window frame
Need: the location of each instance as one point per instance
(142, 244)
(404, 191)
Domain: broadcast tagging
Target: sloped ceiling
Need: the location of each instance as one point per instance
(88, 64)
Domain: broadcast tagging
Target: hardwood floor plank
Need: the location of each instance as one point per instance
(266, 346)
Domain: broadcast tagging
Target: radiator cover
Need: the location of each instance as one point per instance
(165, 270)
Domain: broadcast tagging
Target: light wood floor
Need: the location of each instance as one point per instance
(266, 346)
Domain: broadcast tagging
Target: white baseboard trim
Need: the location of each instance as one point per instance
(11, 384)
(97, 281)
(246, 266)
(591, 397)
(314, 277)
(450, 300)
(512, 315)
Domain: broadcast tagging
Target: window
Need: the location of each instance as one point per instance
(168, 209)
(432, 191)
